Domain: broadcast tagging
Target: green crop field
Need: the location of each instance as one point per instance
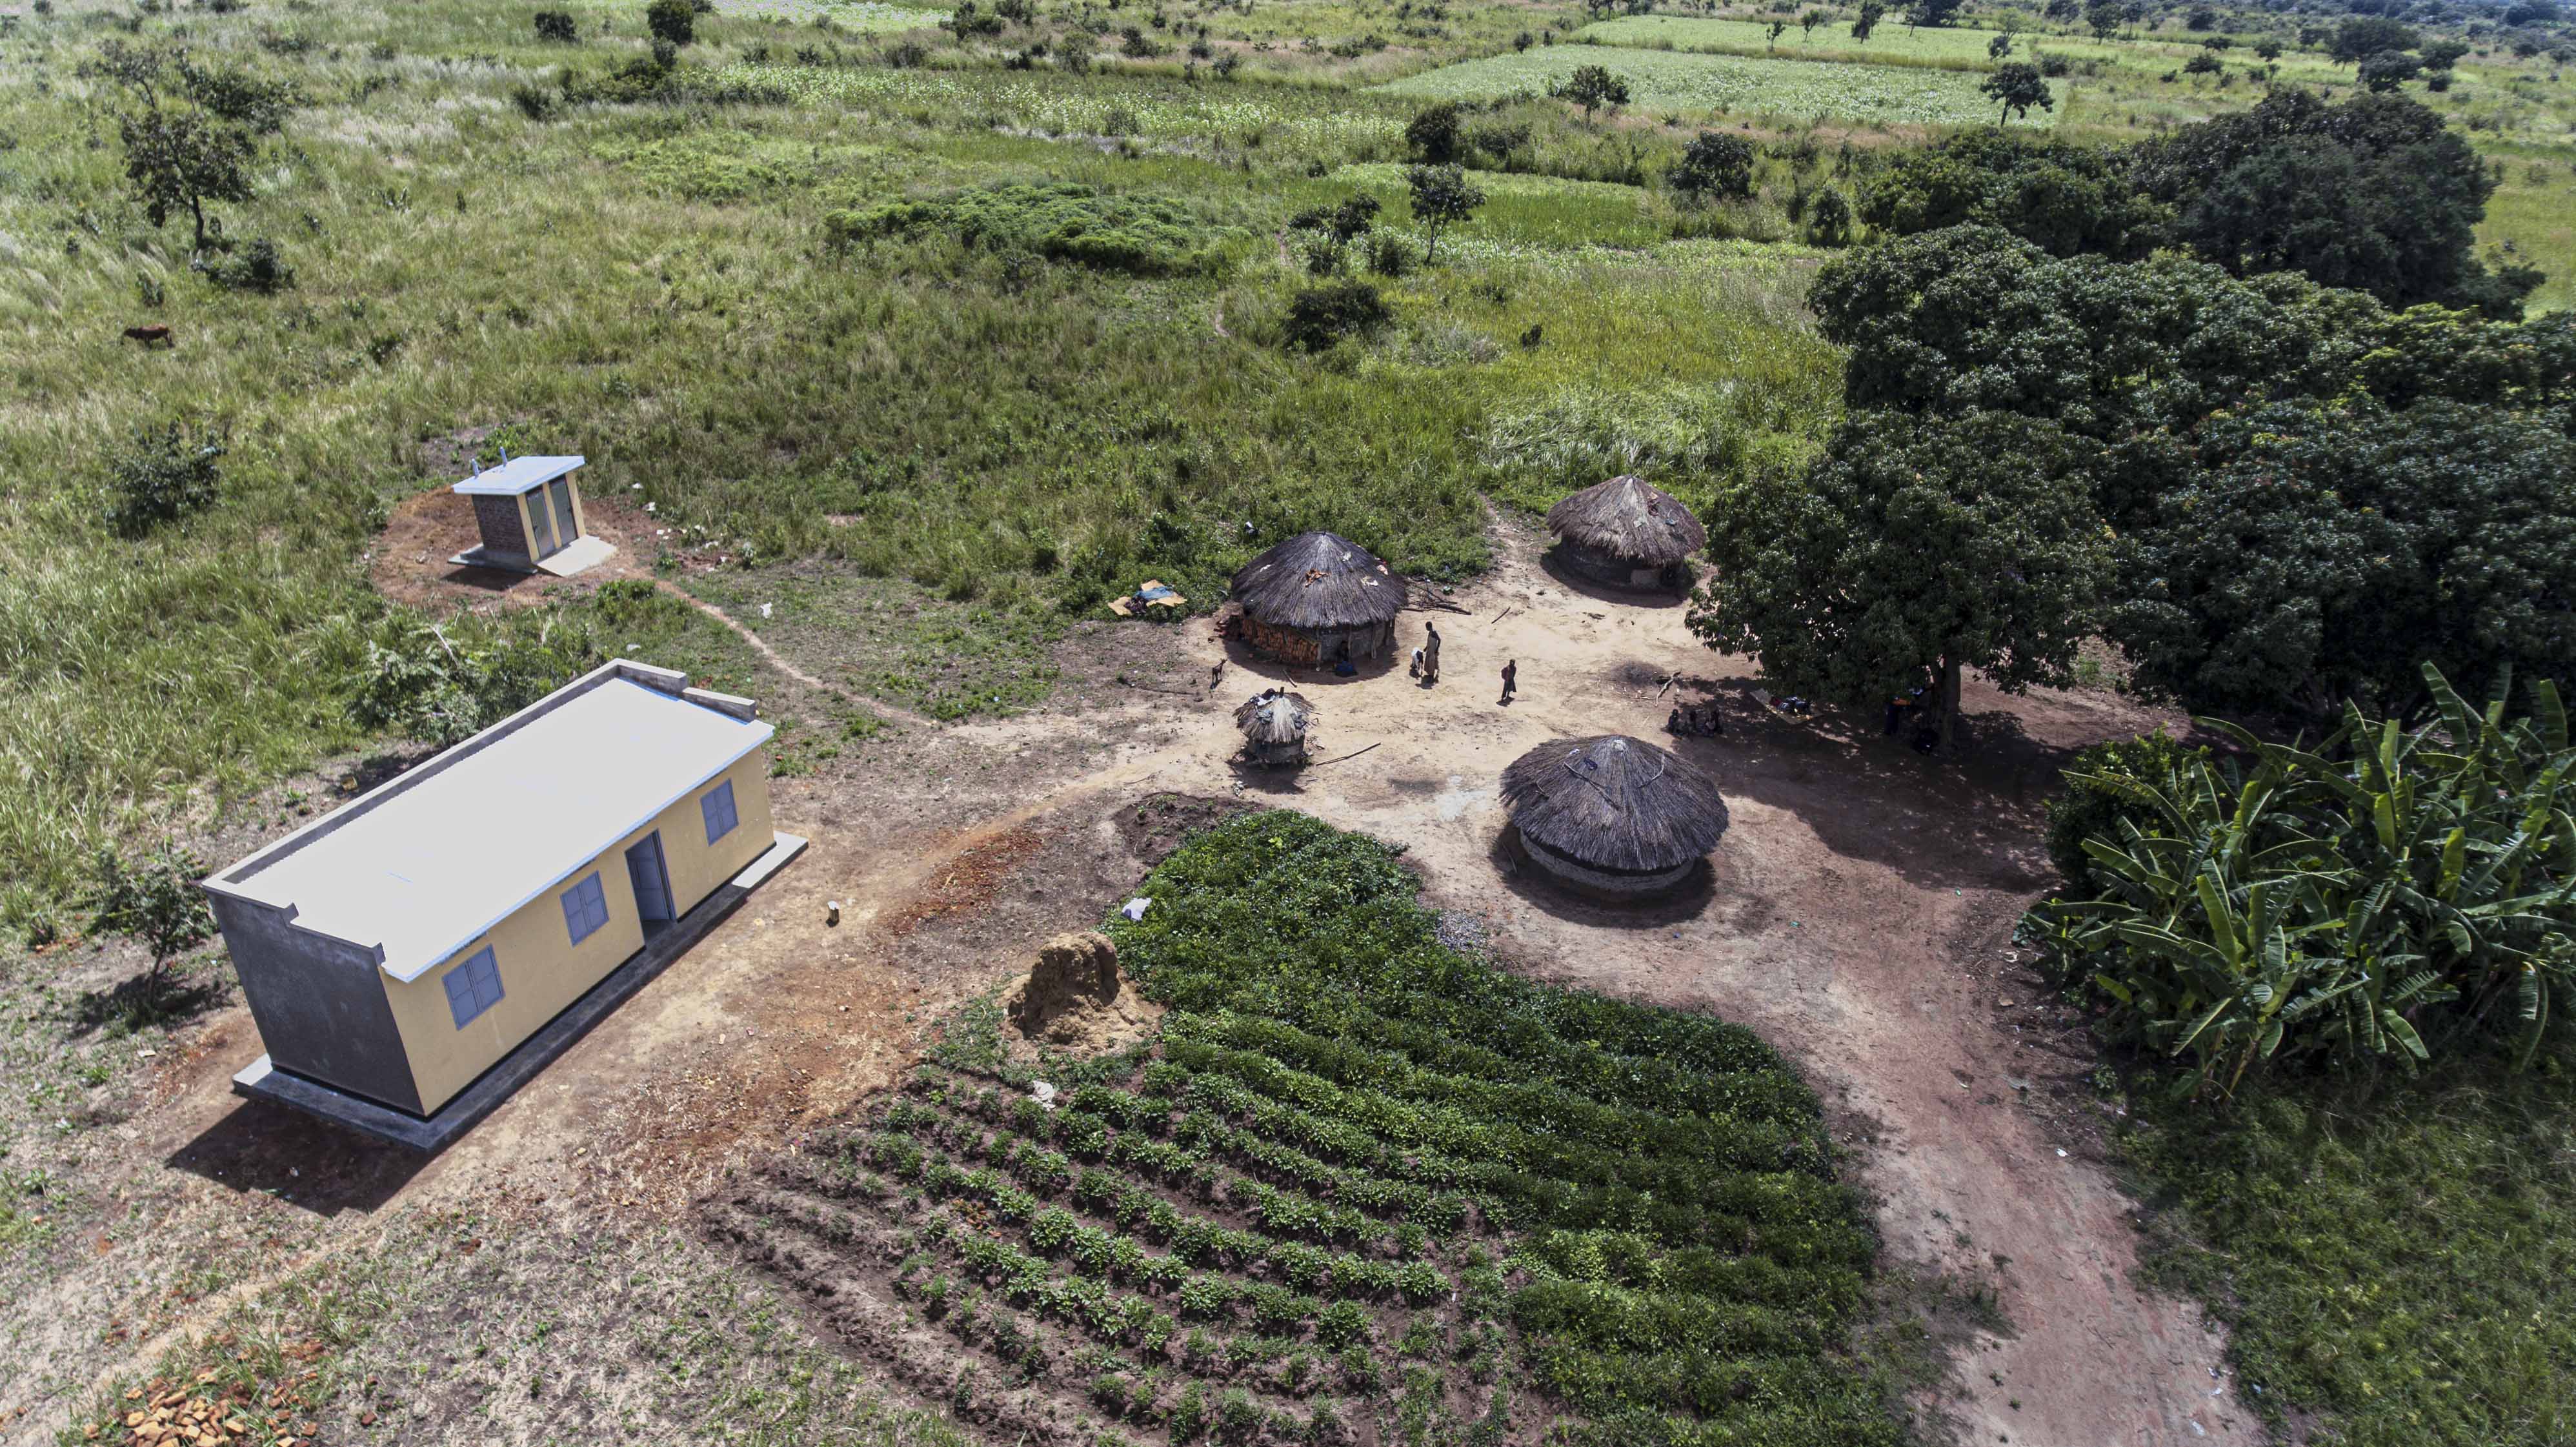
(1360, 1188)
(1788, 91)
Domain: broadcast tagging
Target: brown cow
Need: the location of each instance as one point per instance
(148, 335)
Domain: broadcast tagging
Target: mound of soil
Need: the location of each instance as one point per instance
(1155, 825)
(1072, 998)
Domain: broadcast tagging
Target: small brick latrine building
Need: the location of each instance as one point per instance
(528, 512)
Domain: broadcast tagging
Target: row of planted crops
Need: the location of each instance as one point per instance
(1359, 1186)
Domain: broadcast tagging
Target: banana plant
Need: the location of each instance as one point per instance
(2384, 893)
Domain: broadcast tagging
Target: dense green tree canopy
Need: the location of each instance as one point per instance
(1918, 546)
(2062, 196)
(2375, 194)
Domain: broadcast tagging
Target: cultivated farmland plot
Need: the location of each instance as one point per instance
(1740, 85)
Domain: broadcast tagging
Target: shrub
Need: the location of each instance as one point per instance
(162, 476)
(2104, 786)
(2383, 896)
(1432, 136)
(1388, 255)
(155, 901)
(534, 101)
(1320, 316)
(256, 268)
(1062, 221)
(439, 688)
(1714, 167)
(557, 26)
(674, 21)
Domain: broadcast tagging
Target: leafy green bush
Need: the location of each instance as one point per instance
(162, 476)
(1319, 316)
(672, 20)
(426, 684)
(557, 26)
(2384, 895)
(2102, 788)
(256, 268)
(1059, 220)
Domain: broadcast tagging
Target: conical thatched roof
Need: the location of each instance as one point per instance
(1614, 802)
(1318, 580)
(1628, 519)
(1275, 718)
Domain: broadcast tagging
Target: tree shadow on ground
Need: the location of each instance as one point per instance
(1969, 818)
(312, 1164)
(140, 1002)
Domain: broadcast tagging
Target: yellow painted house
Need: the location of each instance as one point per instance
(415, 955)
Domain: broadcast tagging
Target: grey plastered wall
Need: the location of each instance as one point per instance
(498, 520)
(320, 1007)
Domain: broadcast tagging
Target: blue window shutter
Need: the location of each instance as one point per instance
(717, 806)
(585, 909)
(473, 987)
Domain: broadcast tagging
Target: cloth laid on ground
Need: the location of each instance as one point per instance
(1152, 593)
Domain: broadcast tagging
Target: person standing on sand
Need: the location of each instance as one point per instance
(1511, 678)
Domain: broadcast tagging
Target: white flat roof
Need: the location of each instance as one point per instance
(518, 475)
(426, 870)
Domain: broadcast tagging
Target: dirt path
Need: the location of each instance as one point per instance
(770, 656)
(1859, 918)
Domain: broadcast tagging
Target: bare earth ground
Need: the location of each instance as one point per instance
(1858, 915)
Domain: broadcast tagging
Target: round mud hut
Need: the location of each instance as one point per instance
(1318, 598)
(1628, 535)
(1612, 816)
(1278, 728)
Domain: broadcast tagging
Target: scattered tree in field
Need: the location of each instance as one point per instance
(2443, 54)
(1521, 43)
(1442, 197)
(2017, 87)
(2060, 195)
(1999, 47)
(2201, 17)
(1593, 87)
(189, 133)
(1432, 135)
(672, 21)
(1714, 167)
(1866, 19)
(2388, 70)
(155, 902)
(162, 475)
(1934, 13)
(2204, 63)
(1771, 37)
(1915, 549)
(2104, 17)
(2363, 36)
(1807, 24)
(2268, 48)
(2375, 194)
(1829, 218)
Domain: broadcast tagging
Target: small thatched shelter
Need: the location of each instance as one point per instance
(1278, 726)
(1316, 597)
(1628, 535)
(1612, 815)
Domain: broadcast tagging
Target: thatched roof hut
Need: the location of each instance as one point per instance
(1316, 597)
(1277, 727)
(1612, 814)
(1628, 534)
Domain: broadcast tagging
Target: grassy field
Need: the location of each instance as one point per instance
(2388, 1260)
(1775, 90)
(1360, 1188)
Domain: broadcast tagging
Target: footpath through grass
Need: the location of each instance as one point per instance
(1361, 1187)
(2393, 1264)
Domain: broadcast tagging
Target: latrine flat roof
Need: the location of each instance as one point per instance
(425, 864)
(518, 475)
